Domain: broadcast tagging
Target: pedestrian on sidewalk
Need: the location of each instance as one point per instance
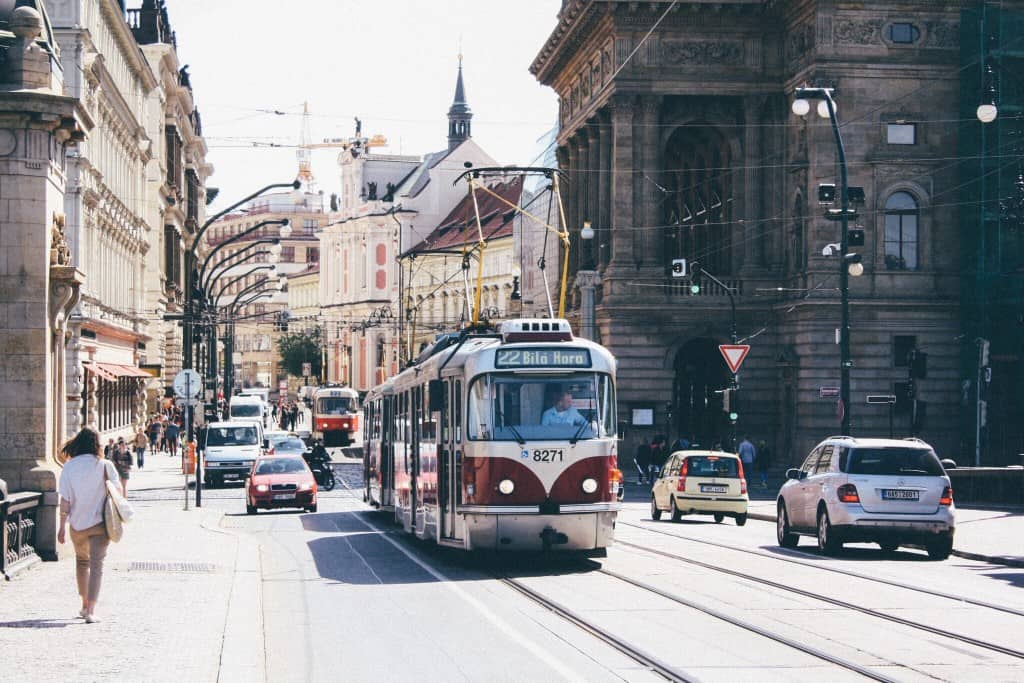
(122, 460)
(108, 449)
(154, 434)
(764, 461)
(748, 453)
(642, 459)
(83, 491)
(140, 448)
(171, 433)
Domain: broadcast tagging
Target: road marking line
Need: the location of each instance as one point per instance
(540, 653)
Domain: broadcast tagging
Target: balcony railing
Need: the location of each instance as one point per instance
(18, 520)
(708, 288)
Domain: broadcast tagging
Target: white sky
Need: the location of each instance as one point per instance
(393, 63)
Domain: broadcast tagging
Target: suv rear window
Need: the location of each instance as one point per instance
(894, 461)
(711, 466)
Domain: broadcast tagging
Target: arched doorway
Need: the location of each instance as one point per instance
(696, 407)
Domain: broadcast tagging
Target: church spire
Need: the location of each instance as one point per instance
(459, 115)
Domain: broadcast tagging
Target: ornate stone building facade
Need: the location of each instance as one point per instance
(681, 144)
(39, 283)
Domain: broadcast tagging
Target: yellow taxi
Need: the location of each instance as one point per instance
(703, 483)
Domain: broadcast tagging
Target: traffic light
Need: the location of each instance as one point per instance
(726, 393)
(855, 237)
(983, 348)
(694, 277)
(918, 418)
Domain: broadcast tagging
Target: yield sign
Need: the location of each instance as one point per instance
(734, 355)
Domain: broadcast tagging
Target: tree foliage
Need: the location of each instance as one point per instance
(296, 348)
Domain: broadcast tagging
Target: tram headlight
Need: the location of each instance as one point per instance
(589, 485)
(506, 486)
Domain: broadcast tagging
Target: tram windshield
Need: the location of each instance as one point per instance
(336, 405)
(520, 408)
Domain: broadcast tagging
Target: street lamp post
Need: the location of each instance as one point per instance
(587, 279)
(696, 272)
(191, 302)
(827, 109)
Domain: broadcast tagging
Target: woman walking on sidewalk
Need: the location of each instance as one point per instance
(83, 491)
(122, 459)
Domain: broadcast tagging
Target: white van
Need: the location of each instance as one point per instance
(248, 408)
(229, 450)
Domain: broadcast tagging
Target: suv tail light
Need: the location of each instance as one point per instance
(848, 494)
(743, 479)
(947, 496)
(681, 484)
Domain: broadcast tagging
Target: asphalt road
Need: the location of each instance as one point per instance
(344, 594)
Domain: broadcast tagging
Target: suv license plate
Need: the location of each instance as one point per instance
(705, 488)
(284, 496)
(898, 494)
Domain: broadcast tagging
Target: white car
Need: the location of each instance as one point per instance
(885, 491)
(703, 483)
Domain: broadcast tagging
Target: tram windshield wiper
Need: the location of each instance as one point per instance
(511, 428)
(576, 436)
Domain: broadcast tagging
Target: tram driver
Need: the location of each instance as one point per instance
(563, 412)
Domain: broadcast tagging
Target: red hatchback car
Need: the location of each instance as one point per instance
(280, 482)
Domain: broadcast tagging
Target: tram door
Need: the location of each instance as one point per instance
(386, 426)
(451, 456)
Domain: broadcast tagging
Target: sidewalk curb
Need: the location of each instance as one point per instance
(243, 649)
(991, 559)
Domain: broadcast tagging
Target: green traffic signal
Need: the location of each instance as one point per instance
(734, 416)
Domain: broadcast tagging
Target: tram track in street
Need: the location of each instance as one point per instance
(813, 565)
(968, 640)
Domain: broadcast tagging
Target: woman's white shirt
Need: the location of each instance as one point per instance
(83, 485)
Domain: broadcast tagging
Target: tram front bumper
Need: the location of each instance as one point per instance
(571, 531)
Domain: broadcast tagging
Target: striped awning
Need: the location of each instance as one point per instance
(113, 371)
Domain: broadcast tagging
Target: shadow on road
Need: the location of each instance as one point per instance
(360, 551)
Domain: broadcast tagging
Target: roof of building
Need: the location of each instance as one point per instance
(459, 226)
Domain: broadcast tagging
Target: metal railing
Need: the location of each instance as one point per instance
(18, 524)
(708, 288)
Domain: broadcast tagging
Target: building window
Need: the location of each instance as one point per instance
(901, 134)
(309, 226)
(903, 34)
(313, 255)
(287, 255)
(901, 347)
(901, 214)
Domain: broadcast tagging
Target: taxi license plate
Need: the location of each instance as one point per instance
(284, 496)
(706, 488)
(898, 494)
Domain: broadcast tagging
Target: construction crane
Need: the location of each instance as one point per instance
(304, 153)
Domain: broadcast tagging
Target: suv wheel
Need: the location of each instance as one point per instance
(786, 538)
(655, 512)
(828, 543)
(677, 516)
(940, 548)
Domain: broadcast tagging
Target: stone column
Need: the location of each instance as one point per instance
(753, 247)
(649, 237)
(595, 175)
(603, 226)
(36, 124)
(587, 281)
(573, 204)
(622, 214)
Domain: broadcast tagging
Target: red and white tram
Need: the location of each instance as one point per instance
(499, 440)
(335, 415)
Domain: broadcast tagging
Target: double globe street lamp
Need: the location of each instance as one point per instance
(849, 264)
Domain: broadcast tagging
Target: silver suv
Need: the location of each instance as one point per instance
(885, 491)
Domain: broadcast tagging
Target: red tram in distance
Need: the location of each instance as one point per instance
(499, 439)
(335, 415)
